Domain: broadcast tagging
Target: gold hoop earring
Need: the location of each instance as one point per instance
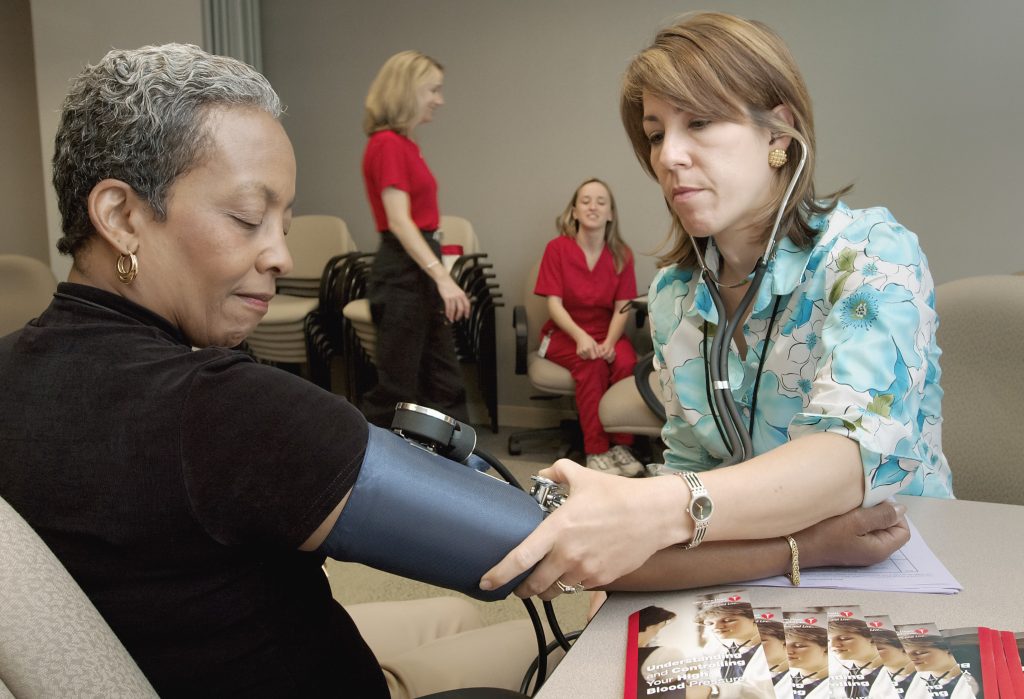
(777, 158)
(127, 267)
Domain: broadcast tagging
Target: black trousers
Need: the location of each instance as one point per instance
(416, 360)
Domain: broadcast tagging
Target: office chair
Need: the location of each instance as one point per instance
(552, 380)
(26, 287)
(312, 241)
(53, 642)
(981, 322)
(632, 405)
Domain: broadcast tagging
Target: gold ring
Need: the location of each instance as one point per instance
(570, 589)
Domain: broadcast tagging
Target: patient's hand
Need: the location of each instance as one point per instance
(860, 537)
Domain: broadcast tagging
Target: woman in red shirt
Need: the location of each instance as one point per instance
(587, 276)
(412, 296)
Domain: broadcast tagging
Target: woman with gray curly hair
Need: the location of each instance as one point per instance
(192, 493)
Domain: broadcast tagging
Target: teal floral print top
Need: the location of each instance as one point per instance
(852, 352)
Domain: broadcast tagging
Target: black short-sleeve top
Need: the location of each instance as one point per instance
(176, 485)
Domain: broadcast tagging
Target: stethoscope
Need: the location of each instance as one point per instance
(735, 434)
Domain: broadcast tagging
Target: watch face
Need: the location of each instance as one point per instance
(701, 507)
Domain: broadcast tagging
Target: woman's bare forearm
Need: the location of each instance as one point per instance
(715, 563)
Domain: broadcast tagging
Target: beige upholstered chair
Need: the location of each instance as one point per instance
(624, 410)
(26, 287)
(53, 642)
(552, 380)
(981, 326)
(456, 230)
(544, 374)
(312, 241)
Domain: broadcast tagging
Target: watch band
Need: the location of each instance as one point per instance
(699, 508)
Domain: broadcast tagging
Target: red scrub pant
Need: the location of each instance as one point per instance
(593, 377)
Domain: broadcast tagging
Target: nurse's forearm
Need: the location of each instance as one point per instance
(563, 320)
(400, 223)
(617, 326)
(786, 489)
(715, 563)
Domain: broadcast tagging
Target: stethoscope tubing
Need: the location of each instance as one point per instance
(738, 439)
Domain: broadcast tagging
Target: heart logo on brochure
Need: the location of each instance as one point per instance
(810, 620)
(767, 615)
(921, 631)
(735, 598)
(875, 624)
(846, 614)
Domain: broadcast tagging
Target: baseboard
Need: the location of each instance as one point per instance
(529, 416)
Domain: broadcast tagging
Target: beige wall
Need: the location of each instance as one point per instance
(919, 104)
(67, 36)
(21, 193)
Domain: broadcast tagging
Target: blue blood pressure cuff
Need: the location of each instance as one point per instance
(423, 516)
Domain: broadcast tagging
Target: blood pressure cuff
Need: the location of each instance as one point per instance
(425, 517)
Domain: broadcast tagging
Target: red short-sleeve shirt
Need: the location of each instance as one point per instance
(393, 160)
(589, 295)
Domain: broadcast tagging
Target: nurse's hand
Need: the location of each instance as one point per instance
(456, 303)
(607, 527)
(606, 351)
(587, 347)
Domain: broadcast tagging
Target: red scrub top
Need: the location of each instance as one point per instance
(588, 295)
(392, 160)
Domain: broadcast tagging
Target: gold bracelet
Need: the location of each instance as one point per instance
(794, 554)
(431, 264)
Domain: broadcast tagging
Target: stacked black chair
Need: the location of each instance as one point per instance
(326, 329)
(280, 337)
(475, 336)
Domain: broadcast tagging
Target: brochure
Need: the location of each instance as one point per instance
(948, 666)
(773, 642)
(855, 667)
(807, 651)
(890, 649)
(727, 646)
(712, 647)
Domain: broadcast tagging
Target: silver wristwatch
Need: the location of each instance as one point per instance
(700, 508)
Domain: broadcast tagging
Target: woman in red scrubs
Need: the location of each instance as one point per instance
(587, 276)
(412, 296)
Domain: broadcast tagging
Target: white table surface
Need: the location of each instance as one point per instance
(980, 543)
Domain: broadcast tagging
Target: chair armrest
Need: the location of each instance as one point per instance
(643, 368)
(639, 305)
(522, 337)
